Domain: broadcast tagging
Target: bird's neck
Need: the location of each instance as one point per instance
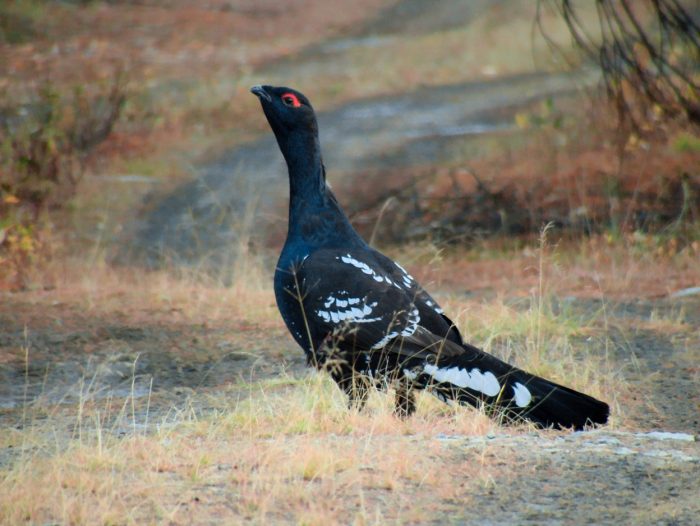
(315, 218)
(307, 183)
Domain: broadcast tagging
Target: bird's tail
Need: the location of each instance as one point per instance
(555, 405)
(479, 379)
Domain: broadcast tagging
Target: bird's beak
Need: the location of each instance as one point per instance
(260, 92)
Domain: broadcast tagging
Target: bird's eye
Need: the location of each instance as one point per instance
(290, 99)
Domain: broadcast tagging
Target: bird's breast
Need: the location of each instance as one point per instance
(318, 229)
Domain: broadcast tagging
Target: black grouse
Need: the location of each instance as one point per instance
(362, 317)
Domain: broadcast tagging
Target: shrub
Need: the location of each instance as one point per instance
(44, 145)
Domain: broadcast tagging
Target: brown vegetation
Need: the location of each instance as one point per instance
(43, 150)
(582, 177)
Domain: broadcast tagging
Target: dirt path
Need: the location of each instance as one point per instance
(240, 197)
(243, 193)
(586, 478)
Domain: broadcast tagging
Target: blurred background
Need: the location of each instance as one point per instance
(128, 132)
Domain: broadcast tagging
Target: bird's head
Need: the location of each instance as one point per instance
(286, 110)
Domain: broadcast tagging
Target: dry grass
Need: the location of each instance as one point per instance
(633, 266)
(285, 450)
(182, 295)
(282, 449)
(292, 458)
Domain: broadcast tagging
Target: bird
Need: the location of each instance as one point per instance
(360, 316)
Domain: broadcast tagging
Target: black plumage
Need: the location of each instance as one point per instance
(364, 319)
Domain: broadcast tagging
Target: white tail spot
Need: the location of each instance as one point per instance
(522, 395)
(485, 383)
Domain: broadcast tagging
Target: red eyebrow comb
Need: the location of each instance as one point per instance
(295, 99)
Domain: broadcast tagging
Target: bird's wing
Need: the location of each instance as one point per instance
(352, 305)
(432, 315)
(349, 297)
(441, 352)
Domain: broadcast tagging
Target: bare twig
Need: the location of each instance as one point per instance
(647, 52)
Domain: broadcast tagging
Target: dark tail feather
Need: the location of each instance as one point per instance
(470, 376)
(520, 395)
(557, 406)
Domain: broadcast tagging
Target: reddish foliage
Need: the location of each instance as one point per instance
(579, 189)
